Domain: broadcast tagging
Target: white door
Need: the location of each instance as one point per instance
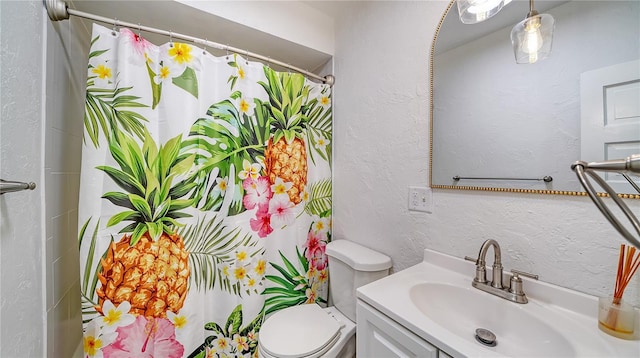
(610, 117)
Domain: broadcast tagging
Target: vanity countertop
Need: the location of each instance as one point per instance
(571, 314)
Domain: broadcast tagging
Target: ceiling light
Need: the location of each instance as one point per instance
(532, 37)
(474, 11)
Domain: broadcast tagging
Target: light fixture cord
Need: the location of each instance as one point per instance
(532, 11)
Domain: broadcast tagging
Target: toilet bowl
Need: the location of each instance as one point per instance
(310, 331)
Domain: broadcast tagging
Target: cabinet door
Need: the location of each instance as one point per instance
(379, 336)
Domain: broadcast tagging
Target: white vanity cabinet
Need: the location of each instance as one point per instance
(379, 336)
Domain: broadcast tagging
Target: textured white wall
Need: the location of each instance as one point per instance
(313, 28)
(22, 327)
(381, 140)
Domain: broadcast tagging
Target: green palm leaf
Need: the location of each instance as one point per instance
(319, 126)
(287, 95)
(221, 143)
(109, 110)
(210, 245)
(319, 198)
(106, 113)
(89, 280)
(231, 328)
(281, 291)
(276, 304)
(147, 174)
(290, 288)
(285, 283)
(233, 322)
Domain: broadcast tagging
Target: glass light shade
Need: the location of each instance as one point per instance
(532, 37)
(474, 11)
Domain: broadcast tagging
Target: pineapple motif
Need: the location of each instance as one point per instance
(148, 266)
(286, 155)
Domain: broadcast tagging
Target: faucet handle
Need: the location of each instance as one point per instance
(515, 283)
(481, 271)
(525, 274)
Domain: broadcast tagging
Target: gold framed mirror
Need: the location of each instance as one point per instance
(510, 136)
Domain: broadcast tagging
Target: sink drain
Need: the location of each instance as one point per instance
(486, 337)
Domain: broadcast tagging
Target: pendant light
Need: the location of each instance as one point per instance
(531, 38)
(474, 11)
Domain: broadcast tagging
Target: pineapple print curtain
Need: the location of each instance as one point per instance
(205, 198)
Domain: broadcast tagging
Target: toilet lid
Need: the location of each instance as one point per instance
(298, 331)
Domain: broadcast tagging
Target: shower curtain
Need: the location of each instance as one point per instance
(205, 198)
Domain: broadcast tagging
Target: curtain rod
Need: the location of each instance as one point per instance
(58, 11)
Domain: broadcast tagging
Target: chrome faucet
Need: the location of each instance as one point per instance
(481, 270)
(512, 293)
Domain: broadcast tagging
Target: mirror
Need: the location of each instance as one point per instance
(499, 123)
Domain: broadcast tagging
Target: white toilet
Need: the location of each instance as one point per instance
(310, 331)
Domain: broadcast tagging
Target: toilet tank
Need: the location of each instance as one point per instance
(351, 266)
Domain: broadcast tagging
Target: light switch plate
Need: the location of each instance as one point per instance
(420, 199)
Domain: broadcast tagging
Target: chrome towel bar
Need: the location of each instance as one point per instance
(8, 186)
(545, 178)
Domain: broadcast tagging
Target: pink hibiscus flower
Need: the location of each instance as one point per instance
(139, 44)
(319, 261)
(312, 245)
(258, 192)
(262, 222)
(153, 337)
(280, 208)
(315, 251)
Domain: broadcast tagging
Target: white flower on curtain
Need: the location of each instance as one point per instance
(101, 74)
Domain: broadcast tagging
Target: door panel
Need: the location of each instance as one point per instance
(610, 116)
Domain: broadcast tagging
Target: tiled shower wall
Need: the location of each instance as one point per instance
(66, 57)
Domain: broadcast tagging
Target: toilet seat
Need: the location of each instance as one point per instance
(320, 353)
(300, 331)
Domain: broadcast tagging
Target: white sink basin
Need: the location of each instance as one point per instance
(463, 310)
(435, 300)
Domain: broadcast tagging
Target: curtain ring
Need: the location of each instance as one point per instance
(204, 49)
(170, 38)
(114, 31)
(139, 30)
(247, 60)
(227, 48)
